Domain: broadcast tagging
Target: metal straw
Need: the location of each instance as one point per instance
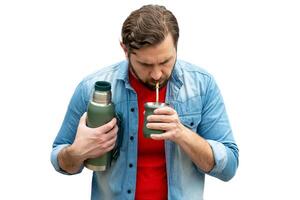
(157, 92)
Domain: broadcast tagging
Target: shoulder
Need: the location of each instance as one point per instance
(193, 75)
(189, 68)
(109, 73)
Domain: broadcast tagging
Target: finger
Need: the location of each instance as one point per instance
(82, 120)
(112, 133)
(161, 126)
(163, 136)
(162, 118)
(107, 127)
(110, 143)
(166, 110)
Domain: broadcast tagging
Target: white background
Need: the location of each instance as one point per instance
(251, 47)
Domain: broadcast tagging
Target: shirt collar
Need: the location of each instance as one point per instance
(176, 76)
(123, 71)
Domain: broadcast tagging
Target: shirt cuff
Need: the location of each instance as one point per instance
(54, 160)
(220, 156)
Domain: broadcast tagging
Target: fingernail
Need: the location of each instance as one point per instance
(152, 136)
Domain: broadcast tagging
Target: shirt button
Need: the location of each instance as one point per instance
(132, 109)
(192, 123)
(131, 138)
(130, 165)
(128, 191)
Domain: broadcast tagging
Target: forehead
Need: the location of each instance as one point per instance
(156, 53)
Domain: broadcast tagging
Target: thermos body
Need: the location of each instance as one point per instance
(100, 111)
(98, 115)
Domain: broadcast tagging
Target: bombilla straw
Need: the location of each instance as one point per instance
(157, 92)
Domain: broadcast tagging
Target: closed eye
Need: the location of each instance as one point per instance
(165, 62)
(147, 65)
(151, 65)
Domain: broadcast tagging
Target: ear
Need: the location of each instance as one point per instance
(124, 49)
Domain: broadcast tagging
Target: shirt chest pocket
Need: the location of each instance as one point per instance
(191, 121)
(189, 112)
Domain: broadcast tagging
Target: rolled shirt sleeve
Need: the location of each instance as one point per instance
(216, 129)
(67, 132)
(220, 156)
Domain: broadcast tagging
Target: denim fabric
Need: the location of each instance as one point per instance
(193, 93)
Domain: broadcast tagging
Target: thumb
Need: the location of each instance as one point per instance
(82, 120)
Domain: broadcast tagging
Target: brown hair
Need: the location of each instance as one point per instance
(147, 26)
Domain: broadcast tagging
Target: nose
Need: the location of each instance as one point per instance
(156, 73)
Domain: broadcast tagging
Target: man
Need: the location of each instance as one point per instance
(197, 140)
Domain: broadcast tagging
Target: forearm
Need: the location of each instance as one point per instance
(69, 161)
(198, 149)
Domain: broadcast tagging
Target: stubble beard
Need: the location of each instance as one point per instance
(149, 85)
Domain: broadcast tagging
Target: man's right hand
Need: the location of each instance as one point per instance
(88, 143)
(94, 142)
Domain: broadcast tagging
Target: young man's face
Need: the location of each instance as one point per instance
(154, 63)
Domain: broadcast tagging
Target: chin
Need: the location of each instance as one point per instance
(152, 85)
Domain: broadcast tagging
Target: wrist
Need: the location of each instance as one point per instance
(75, 154)
(182, 135)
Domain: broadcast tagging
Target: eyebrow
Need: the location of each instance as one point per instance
(150, 64)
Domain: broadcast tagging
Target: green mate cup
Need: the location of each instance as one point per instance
(149, 108)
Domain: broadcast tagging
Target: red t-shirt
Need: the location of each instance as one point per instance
(151, 181)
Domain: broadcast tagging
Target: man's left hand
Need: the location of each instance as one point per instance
(166, 119)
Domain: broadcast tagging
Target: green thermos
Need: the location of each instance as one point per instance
(99, 112)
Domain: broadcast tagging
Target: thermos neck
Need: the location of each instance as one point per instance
(102, 97)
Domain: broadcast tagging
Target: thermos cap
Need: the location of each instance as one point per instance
(102, 86)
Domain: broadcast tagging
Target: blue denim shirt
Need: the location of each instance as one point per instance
(193, 93)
